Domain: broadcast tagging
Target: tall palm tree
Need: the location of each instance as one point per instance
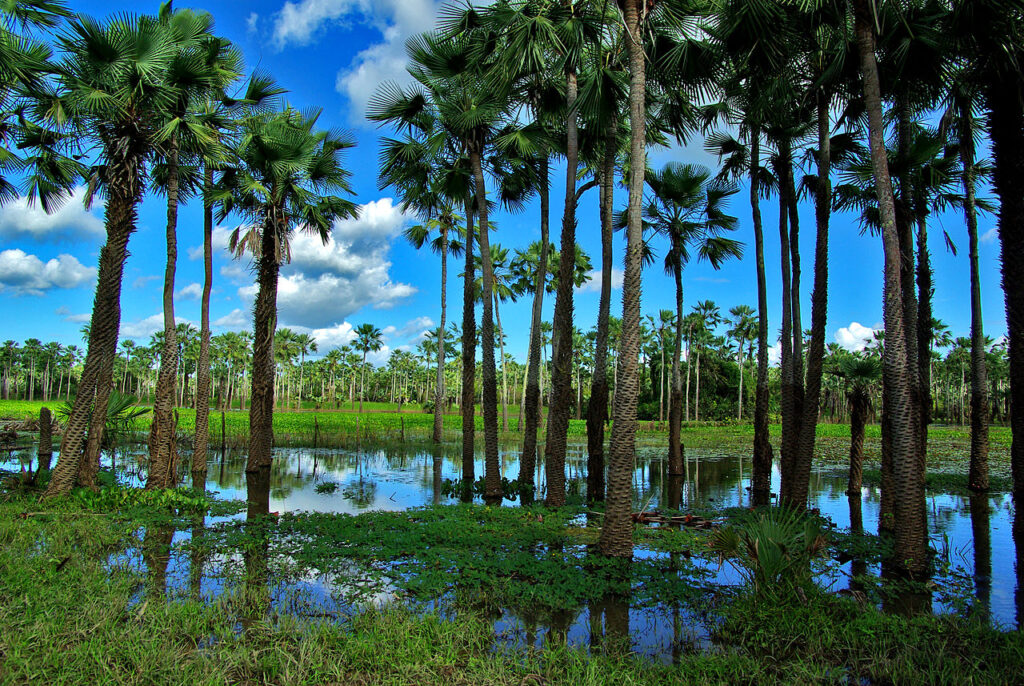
(446, 225)
(306, 344)
(898, 373)
(368, 339)
(744, 330)
(113, 87)
(617, 531)
(688, 207)
(203, 66)
(288, 175)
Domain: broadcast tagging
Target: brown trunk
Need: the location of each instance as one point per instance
(202, 438)
(562, 353)
(163, 405)
(440, 394)
(97, 374)
(617, 532)
(977, 477)
(898, 374)
(675, 411)
(1006, 111)
(261, 403)
(528, 459)
(762, 461)
(468, 362)
(819, 308)
(787, 383)
(597, 409)
(489, 399)
(859, 404)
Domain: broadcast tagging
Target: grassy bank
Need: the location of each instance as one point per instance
(948, 446)
(134, 629)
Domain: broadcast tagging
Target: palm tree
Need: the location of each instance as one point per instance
(688, 208)
(368, 339)
(744, 328)
(445, 223)
(306, 344)
(203, 66)
(288, 174)
(617, 531)
(898, 372)
(218, 116)
(113, 87)
(860, 374)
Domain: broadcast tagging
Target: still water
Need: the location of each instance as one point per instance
(973, 536)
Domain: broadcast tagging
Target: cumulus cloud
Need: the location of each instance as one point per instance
(69, 316)
(72, 221)
(300, 23)
(145, 328)
(25, 274)
(324, 284)
(236, 319)
(333, 336)
(775, 355)
(193, 291)
(594, 284)
(855, 337)
(989, 236)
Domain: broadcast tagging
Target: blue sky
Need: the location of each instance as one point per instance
(333, 54)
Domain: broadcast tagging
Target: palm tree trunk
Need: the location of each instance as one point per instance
(562, 353)
(675, 412)
(859, 403)
(489, 400)
(762, 460)
(819, 306)
(160, 438)
(97, 374)
(261, 400)
(787, 373)
(440, 395)
(468, 361)
(362, 382)
(617, 532)
(202, 437)
(898, 375)
(977, 477)
(504, 375)
(597, 410)
(1006, 111)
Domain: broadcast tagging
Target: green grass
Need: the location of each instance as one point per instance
(55, 554)
(948, 446)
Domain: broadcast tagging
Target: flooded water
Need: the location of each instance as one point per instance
(978, 563)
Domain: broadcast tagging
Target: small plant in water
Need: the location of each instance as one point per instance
(773, 550)
(326, 487)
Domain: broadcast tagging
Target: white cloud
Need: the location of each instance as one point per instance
(236, 319)
(333, 336)
(380, 357)
(145, 328)
(989, 236)
(69, 316)
(855, 337)
(301, 22)
(594, 285)
(417, 328)
(324, 284)
(252, 21)
(775, 355)
(710, 279)
(193, 291)
(24, 274)
(72, 221)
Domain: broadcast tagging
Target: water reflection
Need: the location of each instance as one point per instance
(982, 534)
